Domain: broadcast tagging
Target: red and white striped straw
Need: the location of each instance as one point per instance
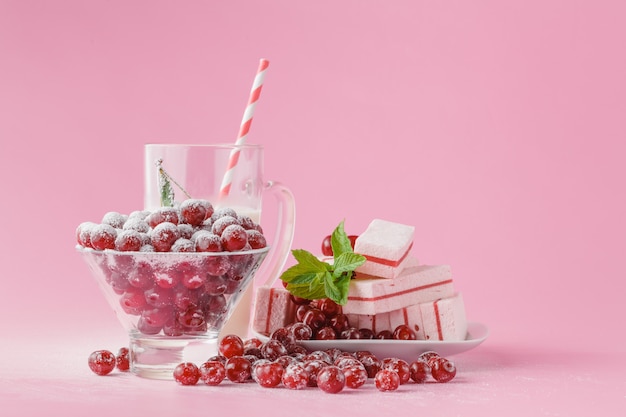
(244, 128)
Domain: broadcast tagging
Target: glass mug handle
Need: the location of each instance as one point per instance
(283, 238)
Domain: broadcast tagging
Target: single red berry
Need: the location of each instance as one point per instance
(399, 366)
(122, 360)
(220, 224)
(186, 373)
(372, 364)
(102, 362)
(273, 349)
(327, 249)
(419, 370)
(356, 375)
(207, 241)
(115, 219)
(193, 211)
(234, 238)
(331, 379)
(443, 370)
(312, 367)
(162, 215)
(326, 333)
(256, 239)
(231, 345)
(387, 380)
(163, 236)
(128, 241)
(103, 236)
(404, 332)
(295, 376)
(238, 369)
(269, 374)
(212, 372)
(301, 331)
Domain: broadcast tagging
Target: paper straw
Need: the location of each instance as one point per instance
(244, 128)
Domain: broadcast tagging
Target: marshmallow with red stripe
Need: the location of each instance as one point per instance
(416, 284)
(386, 246)
(274, 308)
(444, 319)
(410, 316)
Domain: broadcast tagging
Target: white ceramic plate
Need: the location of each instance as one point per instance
(403, 349)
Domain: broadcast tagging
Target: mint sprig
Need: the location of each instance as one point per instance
(313, 279)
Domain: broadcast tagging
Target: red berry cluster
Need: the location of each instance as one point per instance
(327, 322)
(103, 362)
(281, 361)
(187, 293)
(194, 226)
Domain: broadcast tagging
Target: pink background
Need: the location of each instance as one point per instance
(496, 128)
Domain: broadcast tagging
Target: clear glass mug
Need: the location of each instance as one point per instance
(201, 171)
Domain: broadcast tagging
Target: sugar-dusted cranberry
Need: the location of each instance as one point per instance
(387, 380)
(158, 296)
(297, 351)
(328, 307)
(319, 355)
(273, 349)
(183, 245)
(284, 336)
(136, 224)
(157, 317)
(185, 230)
(128, 241)
(83, 234)
(163, 236)
(133, 301)
(206, 241)
(314, 318)
(222, 223)
(186, 373)
(429, 356)
(326, 333)
(115, 219)
(443, 370)
(122, 359)
(295, 376)
(101, 362)
(419, 370)
(350, 333)
(192, 319)
(145, 327)
(218, 358)
(344, 361)
(234, 238)
(246, 222)
(399, 366)
(327, 249)
(231, 345)
(215, 285)
(193, 279)
(355, 374)
(339, 322)
(193, 211)
(253, 342)
(256, 239)
(223, 212)
(301, 331)
(173, 328)
(163, 215)
(269, 374)
(238, 369)
(212, 372)
(372, 364)
(301, 310)
(102, 236)
(331, 379)
(404, 332)
(312, 367)
(217, 265)
(384, 334)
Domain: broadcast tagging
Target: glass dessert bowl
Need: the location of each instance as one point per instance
(173, 304)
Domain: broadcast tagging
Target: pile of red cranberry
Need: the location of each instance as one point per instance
(194, 226)
(174, 269)
(281, 361)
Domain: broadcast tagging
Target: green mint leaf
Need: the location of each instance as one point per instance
(312, 290)
(339, 241)
(310, 261)
(347, 262)
(337, 289)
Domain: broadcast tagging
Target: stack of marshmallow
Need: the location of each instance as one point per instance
(391, 288)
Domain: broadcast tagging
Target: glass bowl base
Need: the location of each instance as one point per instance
(155, 357)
